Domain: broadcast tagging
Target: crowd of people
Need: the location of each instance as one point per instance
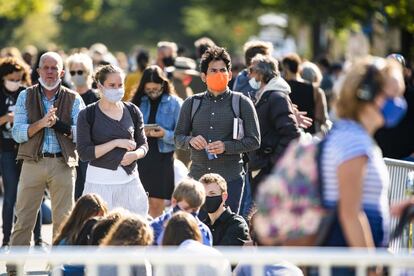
(106, 144)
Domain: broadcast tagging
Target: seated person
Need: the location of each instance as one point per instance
(188, 196)
(182, 231)
(278, 268)
(227, 227)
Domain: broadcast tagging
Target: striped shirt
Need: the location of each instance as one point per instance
(349, 140)
(214, 121)
(21, 125)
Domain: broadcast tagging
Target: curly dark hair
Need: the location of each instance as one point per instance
(212, 54)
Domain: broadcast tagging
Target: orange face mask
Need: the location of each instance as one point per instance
(218, 81)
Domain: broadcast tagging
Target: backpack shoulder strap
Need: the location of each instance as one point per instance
(133, 112)
(235, 104)
(90, 115)
(195, 104)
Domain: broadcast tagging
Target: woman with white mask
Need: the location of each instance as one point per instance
(80, 68)
(110, 135)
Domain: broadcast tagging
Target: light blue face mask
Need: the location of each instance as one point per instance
(254, 84)
(393, 111)
(113, 95)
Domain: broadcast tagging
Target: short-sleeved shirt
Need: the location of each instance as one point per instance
(349, 140)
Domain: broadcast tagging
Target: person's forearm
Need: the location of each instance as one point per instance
(35, 128)
(103, 149)
(357, 230)
(140, 152)
(4, 119)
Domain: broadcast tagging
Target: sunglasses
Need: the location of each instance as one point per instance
(79, 72)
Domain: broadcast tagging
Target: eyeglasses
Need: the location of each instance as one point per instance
(79, 72)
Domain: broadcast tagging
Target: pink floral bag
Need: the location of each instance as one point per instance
(290, 210)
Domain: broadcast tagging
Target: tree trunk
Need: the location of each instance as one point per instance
(407, 45)
(317, 50)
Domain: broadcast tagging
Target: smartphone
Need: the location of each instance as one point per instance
(151, 127)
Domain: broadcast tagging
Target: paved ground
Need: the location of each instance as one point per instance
(31, 268)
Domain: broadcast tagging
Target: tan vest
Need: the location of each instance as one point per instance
(32, 149)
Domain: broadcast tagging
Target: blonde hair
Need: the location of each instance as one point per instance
(191, 191)
(350, 105)
(214, 178)
(132, 230)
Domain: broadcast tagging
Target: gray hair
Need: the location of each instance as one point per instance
(83, 59)
(266, 66)
(168, 44)
(311, 72)
(54, 56)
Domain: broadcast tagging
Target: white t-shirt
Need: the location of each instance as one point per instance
(97, 175)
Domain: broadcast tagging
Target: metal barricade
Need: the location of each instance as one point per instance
(399, 190)
(169, 261)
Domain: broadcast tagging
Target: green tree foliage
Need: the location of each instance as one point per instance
(17, 9)
(121, 24)
(401, 13)
(27, 22)
(229, 32)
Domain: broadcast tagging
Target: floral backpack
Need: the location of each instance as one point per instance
(289, 201)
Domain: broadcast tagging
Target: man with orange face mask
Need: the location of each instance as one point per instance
(208, 131)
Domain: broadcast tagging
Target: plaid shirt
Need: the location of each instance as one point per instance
(21, 125)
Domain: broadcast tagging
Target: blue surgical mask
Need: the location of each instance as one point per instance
(254, 83)
(393, 111)
(113, 95)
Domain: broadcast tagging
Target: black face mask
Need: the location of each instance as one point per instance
(168, 61)
(212, 203)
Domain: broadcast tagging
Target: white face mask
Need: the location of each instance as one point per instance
(49, 87)
(154, 94)
(12, 86)
(113, 95)
(79, 80)
(254, 83)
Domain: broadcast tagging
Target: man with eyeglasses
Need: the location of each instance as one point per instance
(44, 123)
(212, 131)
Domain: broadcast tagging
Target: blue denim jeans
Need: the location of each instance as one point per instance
(247, 199)
(10, 174)
(235, 190)
(80, 178)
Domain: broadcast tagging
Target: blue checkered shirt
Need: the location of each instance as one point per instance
(21, 121)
